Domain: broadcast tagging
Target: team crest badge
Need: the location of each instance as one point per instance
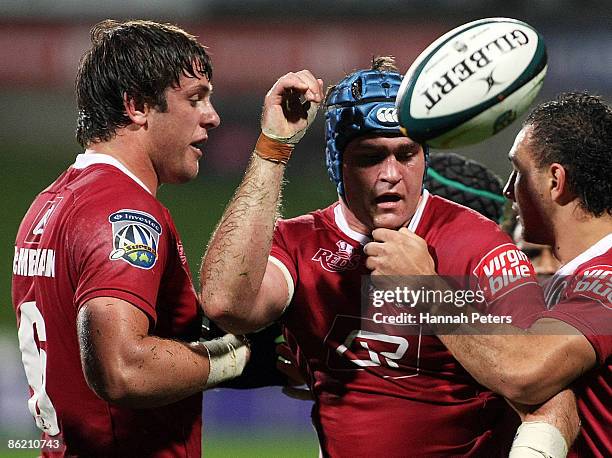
(135, 238)
(342, 259)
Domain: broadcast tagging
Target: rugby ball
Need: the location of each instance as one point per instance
(471, 83)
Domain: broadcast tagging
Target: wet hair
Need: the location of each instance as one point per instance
(136, 59)
(575, 130)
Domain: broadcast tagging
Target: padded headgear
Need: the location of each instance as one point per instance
(362, 103)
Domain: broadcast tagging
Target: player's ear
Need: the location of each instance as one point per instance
(137, 112)
(559, 185)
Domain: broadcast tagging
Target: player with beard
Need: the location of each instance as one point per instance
(378, 390)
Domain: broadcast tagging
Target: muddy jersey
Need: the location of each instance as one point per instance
(392, 392)
(98, 232)
(580, 294)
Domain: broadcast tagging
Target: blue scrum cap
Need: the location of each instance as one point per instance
(362, 103)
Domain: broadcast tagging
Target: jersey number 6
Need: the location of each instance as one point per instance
(35, 365)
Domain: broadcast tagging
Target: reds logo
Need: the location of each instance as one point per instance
(594, 282)
(342, 259)
(503, 269)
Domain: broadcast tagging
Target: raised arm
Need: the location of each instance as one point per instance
(241, 290)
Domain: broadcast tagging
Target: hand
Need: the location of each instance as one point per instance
(398, 253)
(291, 106)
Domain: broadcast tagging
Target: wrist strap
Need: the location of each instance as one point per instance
(538, 439)
(227, 357)
(272, 150)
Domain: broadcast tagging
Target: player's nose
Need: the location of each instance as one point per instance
(210, 118)
(509, 188)
(390, 171)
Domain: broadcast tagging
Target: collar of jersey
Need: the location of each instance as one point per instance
(343, 225)
(592, 252)
(90, 157)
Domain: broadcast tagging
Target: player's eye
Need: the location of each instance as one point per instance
(370, 158)
(404, 156)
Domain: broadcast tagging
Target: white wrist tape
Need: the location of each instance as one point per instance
(311, 113)
(227, 357)
(538, 439)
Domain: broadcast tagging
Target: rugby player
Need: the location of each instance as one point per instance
(106, 308)
(562, 188)
(377, 391)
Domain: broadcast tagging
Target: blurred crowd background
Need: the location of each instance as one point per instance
(252, 43)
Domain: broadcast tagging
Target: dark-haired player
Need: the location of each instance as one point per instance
(105, 304)
(378, 390)
(562, 187)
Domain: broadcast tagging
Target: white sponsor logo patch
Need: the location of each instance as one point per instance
(595, 283)
(387, 115)
(503, 269)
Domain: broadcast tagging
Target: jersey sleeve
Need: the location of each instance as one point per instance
(280, 255)
(484, 260)
(119, 245)
(587, 306)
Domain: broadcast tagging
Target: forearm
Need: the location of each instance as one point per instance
(137, 382)
(234, 265)
(125, 365)
(524, 367)
(561, 411)
(548, 429)
(235, 262)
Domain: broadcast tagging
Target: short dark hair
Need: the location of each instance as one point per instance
(138, 58)
(575, 130)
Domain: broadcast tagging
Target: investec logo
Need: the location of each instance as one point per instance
(342, 259)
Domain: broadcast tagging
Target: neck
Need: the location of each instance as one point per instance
(352, 220)
(577, 231)
(133, 156)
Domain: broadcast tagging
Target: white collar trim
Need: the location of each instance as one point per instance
(343, 225)
(90, 157)
(592, 252)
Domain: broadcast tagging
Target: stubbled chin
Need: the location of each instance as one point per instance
(389, 221)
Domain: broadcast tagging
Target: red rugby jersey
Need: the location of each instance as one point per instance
(96, 231)
(580, 294)
(395, 393)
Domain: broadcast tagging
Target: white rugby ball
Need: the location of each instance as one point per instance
(472, 82)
